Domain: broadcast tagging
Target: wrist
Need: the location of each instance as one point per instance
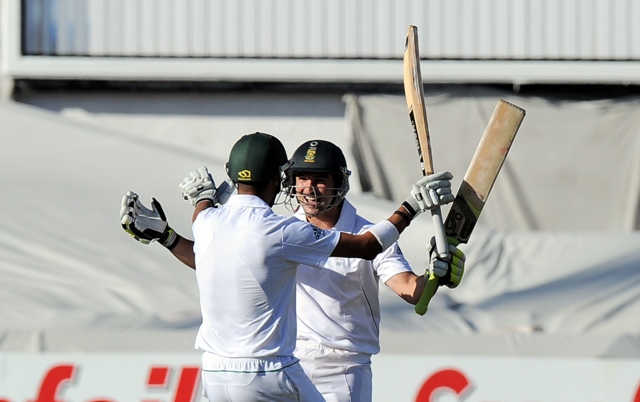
(412, 207)
(207, 197)
(405, 216)
(169, 238)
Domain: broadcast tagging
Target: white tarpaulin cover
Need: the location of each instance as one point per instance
(573, 165)
(73, 281)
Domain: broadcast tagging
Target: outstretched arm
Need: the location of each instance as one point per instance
(149, 225)
(429, 192)
(199, 188)
(183, 251)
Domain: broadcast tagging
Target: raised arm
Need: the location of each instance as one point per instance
(200, 190)
(449, 270)
(149, 225)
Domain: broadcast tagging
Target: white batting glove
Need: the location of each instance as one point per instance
(449, 270)
(144, 224)
(429, 192)
(200, 186)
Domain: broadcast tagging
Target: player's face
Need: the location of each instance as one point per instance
(315, 191)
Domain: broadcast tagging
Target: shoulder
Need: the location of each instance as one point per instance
(205, 214)
(361, 224)
(350, 221)
(294, 227)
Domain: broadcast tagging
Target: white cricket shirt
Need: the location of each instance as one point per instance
(339, 306)
(246, 262)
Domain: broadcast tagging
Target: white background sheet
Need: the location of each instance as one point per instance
(574, 165)
(72, 280)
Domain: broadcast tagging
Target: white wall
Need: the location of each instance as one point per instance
(374, 29)
(465, 41)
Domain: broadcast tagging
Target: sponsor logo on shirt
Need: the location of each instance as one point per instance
(317, 232)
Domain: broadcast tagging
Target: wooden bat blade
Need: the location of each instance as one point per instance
(478, 181)
(483, 171)
(414, 94)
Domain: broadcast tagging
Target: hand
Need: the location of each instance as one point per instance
(429, 192)
(144, 224)
(449, 270)
(199, 186)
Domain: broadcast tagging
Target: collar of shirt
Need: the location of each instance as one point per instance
(346, 221)
(246, 200)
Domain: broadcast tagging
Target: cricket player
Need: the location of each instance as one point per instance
(246, 258)
(338, 307)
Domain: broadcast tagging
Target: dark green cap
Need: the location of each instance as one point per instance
(256, 158)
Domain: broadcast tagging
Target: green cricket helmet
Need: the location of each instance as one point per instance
(256, 158)
(318, 156)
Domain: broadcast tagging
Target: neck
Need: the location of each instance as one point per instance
(328, 219)
(267, 192)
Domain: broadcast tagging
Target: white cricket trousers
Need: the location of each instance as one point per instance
(276, 379)
(340, 375)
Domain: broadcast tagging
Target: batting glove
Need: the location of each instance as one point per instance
(429, 192)
(200, 186)
(448, 270)
(144, 224)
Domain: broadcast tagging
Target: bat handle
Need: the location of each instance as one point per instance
(441, 238)
(427, 294)
(443, 251)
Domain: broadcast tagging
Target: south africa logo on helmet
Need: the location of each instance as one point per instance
(256, 158)
(310, 155)
(324, 155)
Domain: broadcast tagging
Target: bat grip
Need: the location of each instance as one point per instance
(441, 238)
(443, 251)
(427, 294)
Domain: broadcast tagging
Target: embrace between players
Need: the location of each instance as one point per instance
(290, 307)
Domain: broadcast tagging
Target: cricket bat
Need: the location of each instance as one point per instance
(478, 181)
(414, 94)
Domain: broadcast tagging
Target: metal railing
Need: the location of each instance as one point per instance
(334, 29)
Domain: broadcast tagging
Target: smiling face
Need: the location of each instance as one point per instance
(315, 192)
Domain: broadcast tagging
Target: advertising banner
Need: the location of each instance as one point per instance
(103, 377)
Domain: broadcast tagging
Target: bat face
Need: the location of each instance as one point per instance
(464, 214)
(414, 92)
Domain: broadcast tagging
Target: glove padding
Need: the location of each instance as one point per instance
(449, 270)
(144, 224)
(200, 186)
(429, 192)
